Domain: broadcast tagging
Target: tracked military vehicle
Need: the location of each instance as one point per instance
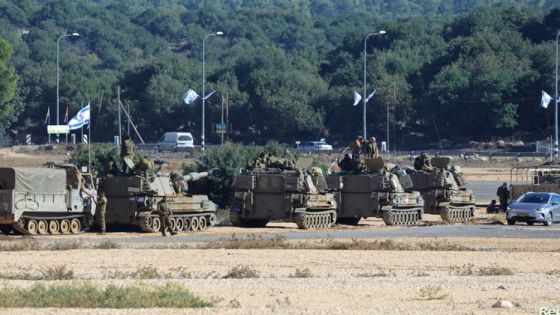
(46, 200)
(376, 192)
(444, 192)
(287, 194)
(132, 200)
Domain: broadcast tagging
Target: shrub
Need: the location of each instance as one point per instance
(241, 272)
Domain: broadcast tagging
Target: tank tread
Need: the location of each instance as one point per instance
(83, 224)
(180, 222)
(456, 214)
(315, 220)
(406, 217)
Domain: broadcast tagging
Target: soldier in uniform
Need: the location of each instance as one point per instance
(101, 210)
(128, 150)
(144, 167)
(319, 179)
(371, 149)
(164, 212)
(503, 194)
(346, 163)
(261, 161)
(110, 166)
(357, 146)
(422, 163)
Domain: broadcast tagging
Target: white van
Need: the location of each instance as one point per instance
(175, 141)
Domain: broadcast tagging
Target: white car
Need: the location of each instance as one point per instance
(175, 141)
(315, 146)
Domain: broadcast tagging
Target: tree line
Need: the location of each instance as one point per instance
(289, 68)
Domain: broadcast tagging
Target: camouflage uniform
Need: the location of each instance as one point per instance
(164, 212)
(356, 146)
(371, 149)
(128, 150)
(503, 194)
(101, 211)
(422, 163)
(144, 167)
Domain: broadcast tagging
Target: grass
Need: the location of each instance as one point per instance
(432, 293)
(30, 244)
(46, 273)
(252, 242)
(85, 295)
(381, 274)
(554, 272)
(106, 245)
(302, 273)
(242, 272)
(468, 270)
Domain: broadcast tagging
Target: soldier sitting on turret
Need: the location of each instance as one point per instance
(318, 179)
(260, 162)
(422, 163)
(346, 164)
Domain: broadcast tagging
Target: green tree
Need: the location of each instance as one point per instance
(8, 87)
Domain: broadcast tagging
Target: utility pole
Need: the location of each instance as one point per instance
(119, 105)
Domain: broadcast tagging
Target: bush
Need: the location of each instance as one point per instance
(242, 272)
(100, 154)
(84, 295)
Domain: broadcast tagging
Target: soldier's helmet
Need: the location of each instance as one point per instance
(424, 155)
(360, 138)
(347, 155)
(373, 139)
(317, 171)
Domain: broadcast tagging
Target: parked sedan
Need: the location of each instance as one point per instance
(534, 207)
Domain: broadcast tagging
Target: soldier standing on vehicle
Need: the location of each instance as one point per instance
(371, 149)
(164, 212)
(128, 151)
(423, 163)
(356, 146)
(503, 194)
(101, 211)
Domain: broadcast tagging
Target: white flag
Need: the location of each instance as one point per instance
(81, 119)
(209, 94)
(545, 99)
(190, 97)
(370, 96)
(357, 98)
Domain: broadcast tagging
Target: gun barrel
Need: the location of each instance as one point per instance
(194, 176)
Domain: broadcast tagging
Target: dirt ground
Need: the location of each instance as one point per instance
(336, 281)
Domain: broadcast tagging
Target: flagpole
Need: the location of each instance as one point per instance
(365, 77)
(49, 122)
(89, 142)
(556, 103)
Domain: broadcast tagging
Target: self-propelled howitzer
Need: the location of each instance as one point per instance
(133, 200)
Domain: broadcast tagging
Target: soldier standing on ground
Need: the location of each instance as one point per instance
(128, 151)
(101, 211)
(503, 194)
(164, 212)
(371, 149)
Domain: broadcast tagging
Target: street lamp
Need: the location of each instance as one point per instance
(203, 83)
(556, 103)
(58, 77)
(365, 74)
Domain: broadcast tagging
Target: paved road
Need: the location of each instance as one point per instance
(484, 190)
(458, 230)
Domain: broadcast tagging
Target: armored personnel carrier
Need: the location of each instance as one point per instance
(376, 192)
(132, 200)
(46, 200)
(444, 192)
(289, 194)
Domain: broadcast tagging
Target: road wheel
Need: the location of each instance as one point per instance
(173, 224)
(179, 224)
(53, 227)
(32, 227)
(548, 221)
(194, 224)
(156, 224)
(42, 227)
(75, 226)
(65, 226)
(187, 224)
(202, 223)
(530, 222)
(511, 222)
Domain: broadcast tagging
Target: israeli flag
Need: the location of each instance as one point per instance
(545, 99)
(81, 119)
(190, 97)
